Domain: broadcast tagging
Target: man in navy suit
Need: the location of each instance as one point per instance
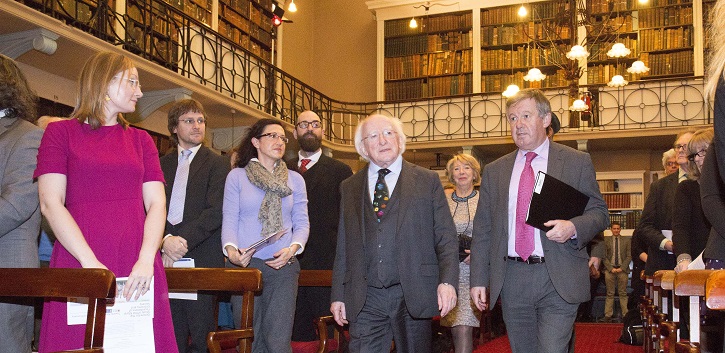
(397, 254)
(541, 277)
(323, 176)
(193, 231)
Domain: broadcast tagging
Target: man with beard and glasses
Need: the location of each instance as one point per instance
(323, 176)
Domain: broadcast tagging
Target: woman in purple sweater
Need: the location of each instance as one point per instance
(261, 197)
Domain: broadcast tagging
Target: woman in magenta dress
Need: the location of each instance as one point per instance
(101, 189)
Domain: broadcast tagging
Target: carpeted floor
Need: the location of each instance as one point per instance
(590, 338)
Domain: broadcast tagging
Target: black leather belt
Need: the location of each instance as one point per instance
(531, 260)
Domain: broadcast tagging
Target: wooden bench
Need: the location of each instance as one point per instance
(237, 281)
(691, 284)
(668, 319)
(323, 278)
(94, 284)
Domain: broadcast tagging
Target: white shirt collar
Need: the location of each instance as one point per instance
(313, 158)
(395, 167)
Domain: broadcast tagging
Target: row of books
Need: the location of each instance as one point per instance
(608, 185)
(603, 73)
(628, 220)
(508, 14)
(522, 33)
(665, 16)
(427, 43)
(621, 201)
(655, 3)
(429, 24)
(669, 63)
(432, 64)
(234, 26)
(598, 51)
(665, 38)
(615, 24)
(611, 6)
(430, 87)
(499, 82)
(521, 57)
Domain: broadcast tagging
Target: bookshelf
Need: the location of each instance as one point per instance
(248, 23)
(510, 46)
(429, 61)
(707, 6)
(624, 192)
(666, 35)
(623, 19)
(244, 22)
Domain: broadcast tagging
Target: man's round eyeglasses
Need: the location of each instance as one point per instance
(305, 124)
(678, 147)
(387, 134)
(191, 121)
(701, 153)
(274, 136)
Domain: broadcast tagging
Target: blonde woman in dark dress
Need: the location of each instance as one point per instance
(463, 171)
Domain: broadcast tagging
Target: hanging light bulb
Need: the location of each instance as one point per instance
(413, 23)
(510, 91)
(579, 106)
(534, 75)
(577, 52)
(618, 51)
(522, 11)
(617, 81)
(292, 7)
(638, 67)
(643, 1)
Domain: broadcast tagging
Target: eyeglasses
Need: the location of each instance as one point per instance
(387, 134)
(133, 82)
(672, 164)
(678, 147)
(191, 121)
(274, 136)
(305, 124)
(701, 153)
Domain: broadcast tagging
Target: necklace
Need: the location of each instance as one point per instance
(457, 198)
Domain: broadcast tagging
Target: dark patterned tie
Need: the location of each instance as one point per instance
(303, 165)
(381, 194)
(616, 252)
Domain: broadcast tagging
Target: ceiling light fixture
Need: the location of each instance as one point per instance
(292, 7)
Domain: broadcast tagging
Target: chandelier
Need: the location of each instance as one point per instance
(571, 16)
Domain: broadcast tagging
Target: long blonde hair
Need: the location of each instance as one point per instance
(96, 76)
(717, 44)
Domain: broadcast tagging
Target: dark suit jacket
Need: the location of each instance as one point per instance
(625, 253)
(202, 222)
(719, 125)
(322, 181)
(657, 216)
(426, 239)
(712, 192)
(567, 263)
(690, 228)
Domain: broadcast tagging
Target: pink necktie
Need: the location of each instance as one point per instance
(303, 165)
(525, 232)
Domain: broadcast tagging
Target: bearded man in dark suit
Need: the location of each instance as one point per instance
(541, 277)
(397, 253)
(193, 228)
(323, 176)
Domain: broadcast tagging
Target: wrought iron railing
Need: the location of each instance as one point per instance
(156, 31)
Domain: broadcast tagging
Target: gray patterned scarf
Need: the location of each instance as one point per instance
(275, 187)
